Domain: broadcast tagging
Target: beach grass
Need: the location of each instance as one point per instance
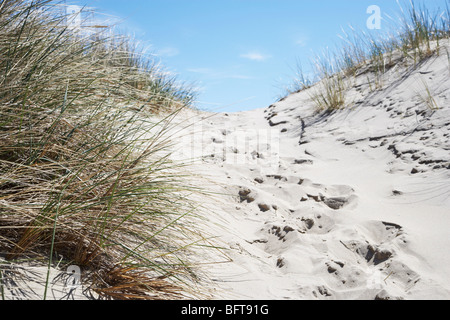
(84, 173)
(412, 37)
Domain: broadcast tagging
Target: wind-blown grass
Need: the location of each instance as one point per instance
(427, 97)
(415, 35)
(83, 173)
(329, 93)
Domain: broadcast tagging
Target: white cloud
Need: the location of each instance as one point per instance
(201, 70)
(168, 52)
(301, 41)
(255, 56)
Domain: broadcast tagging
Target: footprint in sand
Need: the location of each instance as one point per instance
(244, 196)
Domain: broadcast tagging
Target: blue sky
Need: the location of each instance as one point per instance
(240, 53)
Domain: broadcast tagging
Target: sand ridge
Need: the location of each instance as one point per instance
(351, 204)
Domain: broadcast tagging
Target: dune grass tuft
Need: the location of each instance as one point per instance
(427, 97)
(329, 93)
(414, 36)
(84, 174)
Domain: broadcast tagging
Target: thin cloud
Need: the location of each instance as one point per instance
(255, 56)
(215, 74)
(201, 70)
(301, 41)
(168, 52)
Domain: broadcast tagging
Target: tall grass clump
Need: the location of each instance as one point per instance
(84, 174)
(448, 58)
(329, 93)
(427, 97)
(300, 82)
(419, 29)
(416, 34)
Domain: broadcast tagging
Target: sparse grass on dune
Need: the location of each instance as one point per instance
(329, 93)
(448, 58)
(426, 97)
(415, 35)
(83, 173)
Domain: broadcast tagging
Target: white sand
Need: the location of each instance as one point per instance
(352, 205)
(28, 281)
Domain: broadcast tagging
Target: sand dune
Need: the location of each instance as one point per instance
(352, 204)
(349, 204)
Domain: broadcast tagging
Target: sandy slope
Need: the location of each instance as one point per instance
(349, 205)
